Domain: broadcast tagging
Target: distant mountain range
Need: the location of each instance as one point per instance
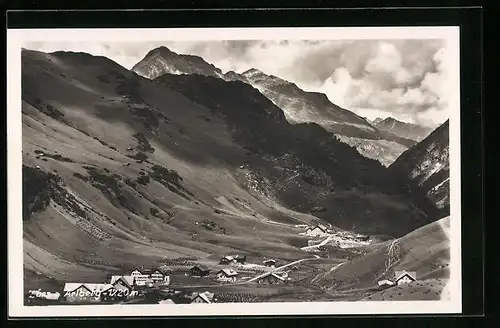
(402, 129)
(298, 105)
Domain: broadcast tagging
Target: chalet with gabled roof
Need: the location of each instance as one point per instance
(227, 260)
(317, 231)
(84, 292)
(161, 275)
(146, 276)
(199, 271)
(227, 275)
(269, 262)
(271, 278)
(205, 297)
(404, 277)
(123, 283)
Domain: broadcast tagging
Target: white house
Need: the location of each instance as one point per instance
(205, 297)
(129, 280)
(227, 275)
(317, 231)
(140, 278)
(227, 260)
(269, 263)
(161, 275)
(147, 276)
(385, 283)
(404, 277)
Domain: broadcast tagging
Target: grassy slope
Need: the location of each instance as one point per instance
(425, 250)
(187, 144)
(97, 128)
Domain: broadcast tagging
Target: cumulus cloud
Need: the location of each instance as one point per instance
(413, 88)
(406, 79)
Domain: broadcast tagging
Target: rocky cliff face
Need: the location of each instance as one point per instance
(427, 165)
(162, 60)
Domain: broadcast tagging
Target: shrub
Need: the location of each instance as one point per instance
(130, 183)
(143, 179)
(139, 156)
(80, 176)
(144, 144)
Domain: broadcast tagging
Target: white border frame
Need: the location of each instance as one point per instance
(17, 37)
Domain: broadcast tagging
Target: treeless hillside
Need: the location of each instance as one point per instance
(424, 251)
(126, 171)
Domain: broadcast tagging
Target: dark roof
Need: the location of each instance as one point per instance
(240, 256)
(272, 274)
(163, 269)
(201, 267)
(141, 270)
(401, 274)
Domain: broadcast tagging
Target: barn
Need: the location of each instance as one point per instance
(199, 271)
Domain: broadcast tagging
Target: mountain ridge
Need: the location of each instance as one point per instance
(427, 165)
(299, 106)
(403, 129)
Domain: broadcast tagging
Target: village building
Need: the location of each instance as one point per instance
(205, 297)
(317, 231)
(167, 301)
(271, 278)
(240, 259)
(404, 277)
(199, 271)
(362, 237)
(123, 283)
(385, 283)
(147, 276)
(141, 278)
(227, 275)
(227, 260)
(161, 275)
(269, 263)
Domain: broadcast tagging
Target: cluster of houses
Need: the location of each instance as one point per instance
(400, 277)
(119, 287)
(139, 280)
(228, 274)
(228, 259)
(324, 230)
(320, 230)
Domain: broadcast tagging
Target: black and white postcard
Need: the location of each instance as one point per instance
(234, 171)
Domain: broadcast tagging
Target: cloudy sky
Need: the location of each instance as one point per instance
(406, 79)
